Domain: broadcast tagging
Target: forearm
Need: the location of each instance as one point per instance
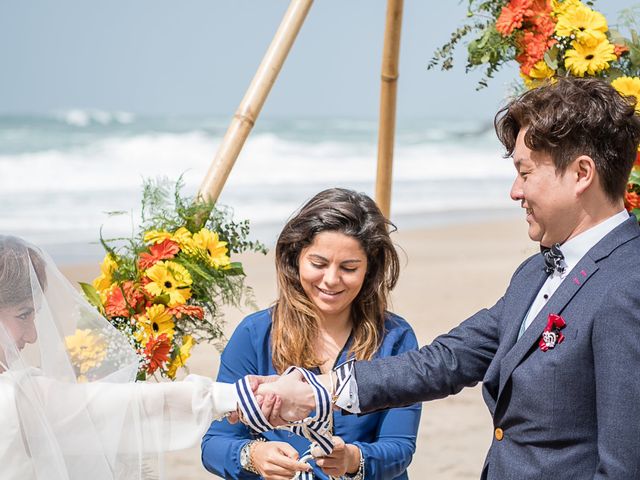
(453, 361)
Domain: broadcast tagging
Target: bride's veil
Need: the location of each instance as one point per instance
(67, 370)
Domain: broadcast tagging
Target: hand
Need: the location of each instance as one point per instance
(345, 458)
(296, 395)
(269, 404)
(276, 460)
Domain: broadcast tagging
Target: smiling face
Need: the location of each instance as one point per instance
(332, 270)
(549, 198)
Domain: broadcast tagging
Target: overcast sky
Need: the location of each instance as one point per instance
(198, 56)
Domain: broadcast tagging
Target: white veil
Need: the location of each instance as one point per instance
(68, 409)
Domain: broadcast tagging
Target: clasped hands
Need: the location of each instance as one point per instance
(282, 399)
(285, 399)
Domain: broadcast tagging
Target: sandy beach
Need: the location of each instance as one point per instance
(448, 274)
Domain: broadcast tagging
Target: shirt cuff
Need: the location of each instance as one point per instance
(225, 397)
(347, 388)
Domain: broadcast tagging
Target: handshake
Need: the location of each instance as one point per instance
(281, 402)
(286, 398)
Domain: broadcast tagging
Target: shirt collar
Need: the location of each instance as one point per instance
(576, 248)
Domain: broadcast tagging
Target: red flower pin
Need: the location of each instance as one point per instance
(551, 335)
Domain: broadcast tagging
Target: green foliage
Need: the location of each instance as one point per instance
(92, 296)
(213, 284)
(488, 49)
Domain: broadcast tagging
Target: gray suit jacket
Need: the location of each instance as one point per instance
(572, 412)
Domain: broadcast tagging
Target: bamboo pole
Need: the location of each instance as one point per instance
(249, 109)
(388, 94)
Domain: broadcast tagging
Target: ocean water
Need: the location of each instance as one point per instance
(61, 173)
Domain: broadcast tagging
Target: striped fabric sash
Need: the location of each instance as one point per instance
(317, 429)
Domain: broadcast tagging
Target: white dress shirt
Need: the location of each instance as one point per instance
(573, 251)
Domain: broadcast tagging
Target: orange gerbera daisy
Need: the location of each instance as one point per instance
(160, 251)
(631, 200)
(533, 47)
(188, 310)
(619, 50)
(157, 352)
(124, 300)
(512, 16)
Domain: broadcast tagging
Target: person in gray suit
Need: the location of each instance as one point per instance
(559, 353)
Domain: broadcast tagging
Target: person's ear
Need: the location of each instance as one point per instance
(584, 171)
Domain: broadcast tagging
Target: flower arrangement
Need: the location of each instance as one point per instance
(163, 287)
(550, 39)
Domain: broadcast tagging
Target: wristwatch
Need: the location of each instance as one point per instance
(245, 456)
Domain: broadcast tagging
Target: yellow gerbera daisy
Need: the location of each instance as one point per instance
(560, 7)
(156, 236)
(181, 358)
(588, 26)
(538, 74)
(169, 278)
(155, 322)
(182, 237)
(214, 250)
(591, 60)
(105, 280)
(630, 87)
(86, 350)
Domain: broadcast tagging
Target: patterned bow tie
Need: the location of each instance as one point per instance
(553, 259)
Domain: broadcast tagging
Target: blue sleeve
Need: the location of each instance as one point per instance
(391, 453)
(223, 441)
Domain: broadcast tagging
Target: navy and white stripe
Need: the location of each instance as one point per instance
(343, 372)
(317, 429)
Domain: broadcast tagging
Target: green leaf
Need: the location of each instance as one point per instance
(235, 268)
(92, 295)
(551, 58)
(161, 299)
(634, 178)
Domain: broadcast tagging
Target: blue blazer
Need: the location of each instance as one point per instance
(387, 439)
(572, 412)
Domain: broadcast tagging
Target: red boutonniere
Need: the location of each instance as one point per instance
(551, 335)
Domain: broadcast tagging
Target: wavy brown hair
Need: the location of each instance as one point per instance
(573, 117)
(295, 317)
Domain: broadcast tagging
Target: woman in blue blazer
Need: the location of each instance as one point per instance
(335, 266)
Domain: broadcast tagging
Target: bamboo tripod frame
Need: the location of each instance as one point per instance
(388, 95)
(251, 105)
(249, 109)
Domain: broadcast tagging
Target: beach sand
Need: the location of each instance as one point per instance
(448, 274)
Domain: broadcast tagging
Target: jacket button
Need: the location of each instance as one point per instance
(499, 434)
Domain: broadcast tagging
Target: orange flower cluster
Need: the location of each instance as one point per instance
(535, 25)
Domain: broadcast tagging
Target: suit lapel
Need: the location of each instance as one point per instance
(576, 279)
(532, 284)
(565, 292)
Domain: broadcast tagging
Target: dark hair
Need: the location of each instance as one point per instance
(17, 261)
(294, 315)
(573, 117)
